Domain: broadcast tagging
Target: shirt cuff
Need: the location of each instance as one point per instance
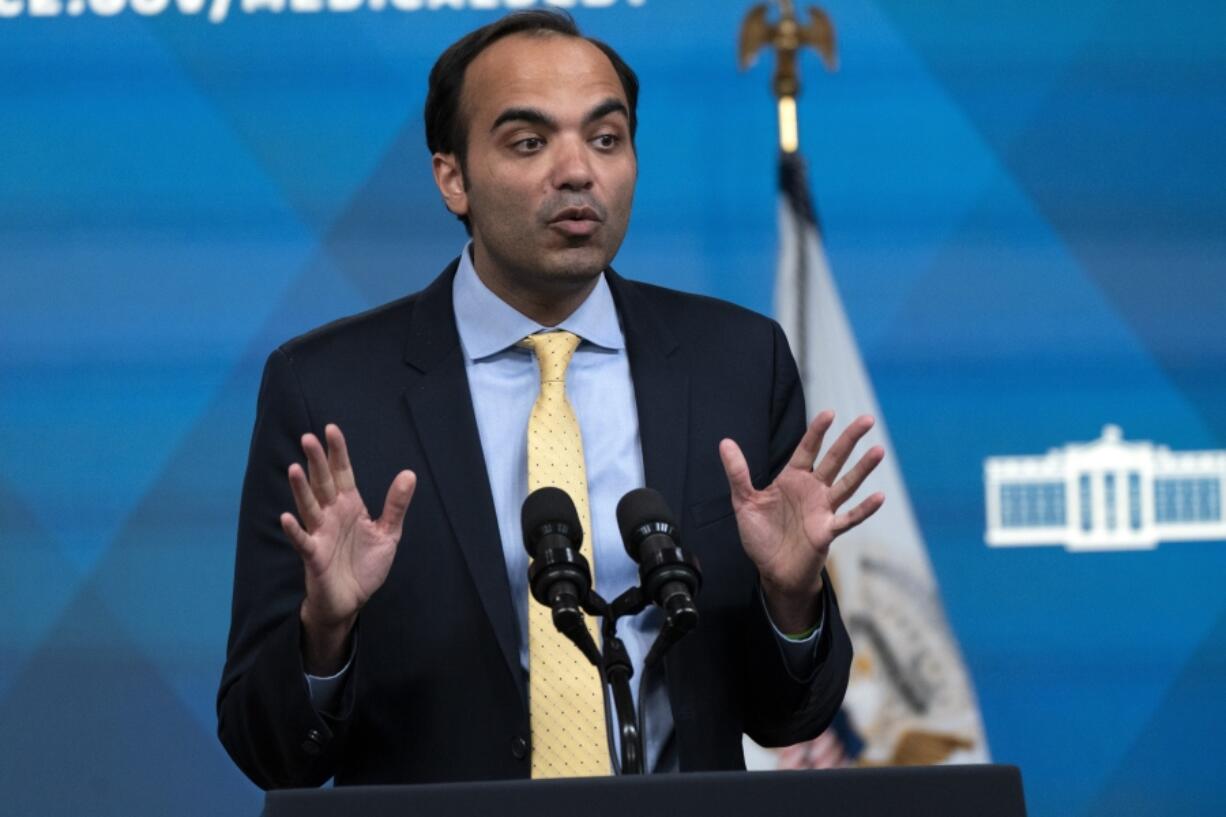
(326, 690)
(799, 651)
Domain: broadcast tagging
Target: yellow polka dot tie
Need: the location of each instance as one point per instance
(565, 696)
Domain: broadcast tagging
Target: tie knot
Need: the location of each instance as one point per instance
(553, 353)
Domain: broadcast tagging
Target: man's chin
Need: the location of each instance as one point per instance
(575, 264)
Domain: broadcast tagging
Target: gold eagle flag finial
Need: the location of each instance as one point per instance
(787, 37)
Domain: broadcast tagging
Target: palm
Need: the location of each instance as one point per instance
(787, 527)
(350, 555)
(345, 553)
(787, 523)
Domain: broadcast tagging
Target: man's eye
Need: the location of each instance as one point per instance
(606, 141)
(529, 145)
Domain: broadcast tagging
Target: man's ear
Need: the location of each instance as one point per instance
(450, 181)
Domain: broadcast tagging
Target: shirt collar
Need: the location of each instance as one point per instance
(488, 325)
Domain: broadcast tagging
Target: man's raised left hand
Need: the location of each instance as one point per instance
(788, 526)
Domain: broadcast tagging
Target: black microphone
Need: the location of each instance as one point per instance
(670, 577)
(559, 576)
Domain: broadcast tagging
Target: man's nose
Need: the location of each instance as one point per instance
(572, 169)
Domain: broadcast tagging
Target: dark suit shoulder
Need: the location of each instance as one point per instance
(704, 322)
(374, 338)
(383, 326)
(695, 306)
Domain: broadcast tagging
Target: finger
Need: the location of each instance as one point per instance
(737, 472)
(806, 451)
(297, 536)
(793, 757)
(809, 747)
(304, 498)
(338, 458)
(826, 758)
(399, 494)
(826, 752)
(837, 456)
(317, 469)
(853, 479)
(846, 521)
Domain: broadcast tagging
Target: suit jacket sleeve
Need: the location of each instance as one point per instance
(781, 709)
(265, 718)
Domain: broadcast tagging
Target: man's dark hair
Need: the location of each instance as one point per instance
(446, 127)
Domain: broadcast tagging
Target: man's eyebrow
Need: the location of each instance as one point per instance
(530, 115)
(610, 105)
(533, 116)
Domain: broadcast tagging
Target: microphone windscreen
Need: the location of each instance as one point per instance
(549, 510)
(640, 508)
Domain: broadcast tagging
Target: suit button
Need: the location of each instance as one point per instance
(314, 743)
(519, 747)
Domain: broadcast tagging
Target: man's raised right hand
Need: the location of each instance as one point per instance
(347, 555)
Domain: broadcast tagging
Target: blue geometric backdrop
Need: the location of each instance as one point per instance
(1025, 207)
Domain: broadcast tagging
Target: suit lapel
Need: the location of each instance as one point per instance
(661, 391)
(441, 404)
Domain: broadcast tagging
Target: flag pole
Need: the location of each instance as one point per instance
(787, 37)
(910, 697)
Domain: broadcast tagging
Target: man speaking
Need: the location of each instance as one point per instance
(404, 647)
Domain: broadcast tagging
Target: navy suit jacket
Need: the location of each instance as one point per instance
(436, 691)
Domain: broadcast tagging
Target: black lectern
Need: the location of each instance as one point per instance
(940, 791)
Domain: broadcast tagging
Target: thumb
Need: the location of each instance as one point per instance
(737, 472)
(399, 493)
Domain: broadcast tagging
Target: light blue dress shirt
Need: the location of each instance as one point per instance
(504, 381)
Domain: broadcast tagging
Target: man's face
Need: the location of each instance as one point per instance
(550, 168)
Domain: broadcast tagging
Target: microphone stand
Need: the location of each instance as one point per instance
(614, 663)
(560, 578)
(616, 672)
(680, 616)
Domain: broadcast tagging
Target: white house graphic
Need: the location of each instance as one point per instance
(1107, 494)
